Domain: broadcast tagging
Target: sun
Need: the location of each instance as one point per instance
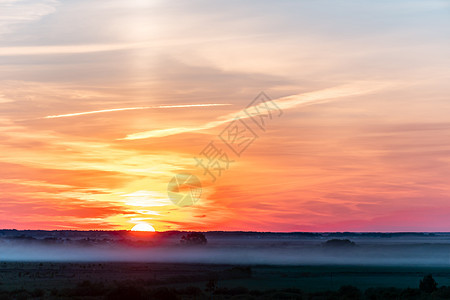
(143, 227)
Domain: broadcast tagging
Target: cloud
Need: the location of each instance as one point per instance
(4, 100)
(135, 108)
(14, 12)
(67, 49)
(288, 102)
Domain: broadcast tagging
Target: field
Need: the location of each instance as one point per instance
(117, 265)
(77, 279)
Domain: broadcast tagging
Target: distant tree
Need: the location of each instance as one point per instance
(339, 243)
(194, 238)
(428, 284)
(241, 271)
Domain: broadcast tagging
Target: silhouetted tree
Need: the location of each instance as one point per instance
(194, 238)
(428, 284)
(339, 243)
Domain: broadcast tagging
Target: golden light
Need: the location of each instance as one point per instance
(143, 227)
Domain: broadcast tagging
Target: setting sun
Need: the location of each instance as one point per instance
(143, 227)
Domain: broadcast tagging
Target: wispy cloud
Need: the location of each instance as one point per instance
(288, 102)
(69, 49)
(4, 100)
(135, 108)
(13, 12)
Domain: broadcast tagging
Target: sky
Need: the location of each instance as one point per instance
(102, 103)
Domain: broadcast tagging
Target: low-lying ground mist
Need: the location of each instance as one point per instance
(228, 248)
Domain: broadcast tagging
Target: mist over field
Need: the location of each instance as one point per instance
(229, 248)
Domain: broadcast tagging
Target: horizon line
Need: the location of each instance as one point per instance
(226, 231)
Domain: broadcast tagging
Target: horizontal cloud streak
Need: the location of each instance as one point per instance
(135, 108)
(14, 13)
(70, 49)
(288, 102)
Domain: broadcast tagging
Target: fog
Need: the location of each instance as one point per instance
(243, 250)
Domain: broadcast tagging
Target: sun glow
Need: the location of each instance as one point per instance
(143, 227)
